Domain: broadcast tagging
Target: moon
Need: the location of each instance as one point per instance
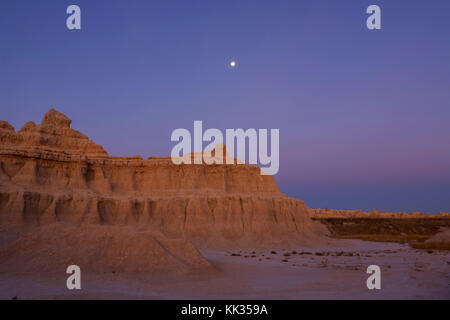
(233, 64)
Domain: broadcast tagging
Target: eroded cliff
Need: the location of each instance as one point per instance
(52, 173)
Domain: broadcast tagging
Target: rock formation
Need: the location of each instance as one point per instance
(53, 134)
(374, 214)
(100, 249)
(51, 173)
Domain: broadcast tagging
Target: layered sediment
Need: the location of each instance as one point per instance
(374, 214)
(51, 173)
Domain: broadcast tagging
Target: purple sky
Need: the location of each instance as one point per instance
(363, 115)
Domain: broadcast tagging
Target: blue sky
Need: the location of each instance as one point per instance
(363, 115)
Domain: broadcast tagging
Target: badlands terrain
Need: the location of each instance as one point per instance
(149, 229)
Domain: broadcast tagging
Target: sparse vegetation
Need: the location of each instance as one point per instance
(431, 245)
(412, 231)
(348, 254)
(323, 263)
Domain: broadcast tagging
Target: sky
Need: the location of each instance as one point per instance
(363, 114)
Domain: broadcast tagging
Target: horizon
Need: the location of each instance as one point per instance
(363, 115)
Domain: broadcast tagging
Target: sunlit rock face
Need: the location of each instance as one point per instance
(50, 172)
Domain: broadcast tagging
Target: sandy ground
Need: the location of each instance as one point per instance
(337, 272)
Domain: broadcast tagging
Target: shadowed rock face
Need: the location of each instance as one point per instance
(52, 173)
(100, 249)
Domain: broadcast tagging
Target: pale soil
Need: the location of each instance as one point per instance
(406, 274)
(442, 235)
